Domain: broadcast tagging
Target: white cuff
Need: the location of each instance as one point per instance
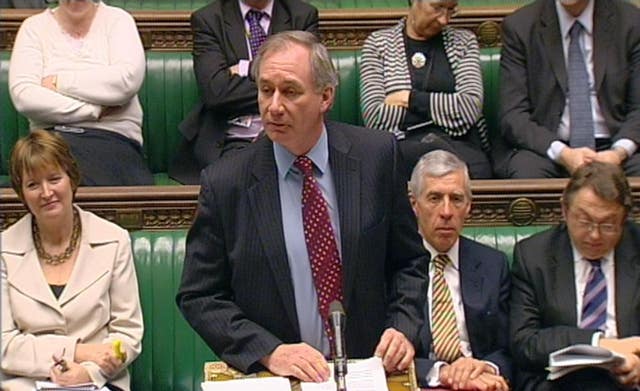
(243, 67)
(555, 149)
(492, 365)
(629, 146)
(433, 377)
(595, 338)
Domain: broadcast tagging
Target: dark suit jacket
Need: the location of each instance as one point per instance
(485, 286)
(543, 299)
(533, 77)
(236, 289)
(219, 41)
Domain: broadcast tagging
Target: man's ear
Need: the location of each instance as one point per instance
(412, 201)
(328, 95)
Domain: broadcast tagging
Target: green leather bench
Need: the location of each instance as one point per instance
(169, 92)
(172, 353)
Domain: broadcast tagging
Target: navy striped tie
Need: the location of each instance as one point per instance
(594, 303)
(580, 115)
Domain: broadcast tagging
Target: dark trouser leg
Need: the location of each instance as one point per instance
(528, 164)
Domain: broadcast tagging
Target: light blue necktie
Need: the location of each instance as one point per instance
(594, 302)
(580, 115)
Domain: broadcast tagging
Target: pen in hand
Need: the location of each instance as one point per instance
(60, 363)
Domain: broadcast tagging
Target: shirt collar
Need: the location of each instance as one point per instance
(566, 20)
(245, 8)
(319, 155)
(452, 253)
(577, 257)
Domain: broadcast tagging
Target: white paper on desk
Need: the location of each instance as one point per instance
(261, 383)
(362, 375)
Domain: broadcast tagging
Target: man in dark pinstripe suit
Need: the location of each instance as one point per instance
(246, 285)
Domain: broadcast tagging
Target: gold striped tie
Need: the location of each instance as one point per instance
(446, 341)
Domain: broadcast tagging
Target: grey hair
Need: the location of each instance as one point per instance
(322, 70)
(437, 164)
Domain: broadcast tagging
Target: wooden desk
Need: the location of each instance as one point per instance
(219, 371)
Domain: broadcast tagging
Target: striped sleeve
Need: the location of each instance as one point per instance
(460, 110)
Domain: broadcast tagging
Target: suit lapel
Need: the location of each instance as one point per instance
(627, 275)
(603, 39)
(29, 279)
(94, 261)
(549, 34)
(281, 19)
(471, 278)
(262, 193)
(346, 176)
(235, 30)
(562, 287)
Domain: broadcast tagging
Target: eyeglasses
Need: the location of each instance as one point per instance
(584, 224)
(443, 10)
(603, 228)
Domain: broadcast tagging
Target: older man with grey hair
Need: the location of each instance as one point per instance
(463, 343)
(313, 212)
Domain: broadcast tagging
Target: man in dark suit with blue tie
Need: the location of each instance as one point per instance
(462, 346)
(577, 283)
(570, 86)
(255, 283)
(225, 39)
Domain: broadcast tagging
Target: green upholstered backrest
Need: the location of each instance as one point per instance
(346, 107)
(503, 238)
(167, 95)
(12, 124)
(490, 65)
(172, 353)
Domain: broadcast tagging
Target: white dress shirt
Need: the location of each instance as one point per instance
(452, 278)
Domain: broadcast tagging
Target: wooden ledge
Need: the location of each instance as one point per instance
(344, 28)
(495, 203)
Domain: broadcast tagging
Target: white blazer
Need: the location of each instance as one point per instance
(99, 304)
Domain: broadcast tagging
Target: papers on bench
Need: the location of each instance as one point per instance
(575, 357)
(363, 375)
(50, 386)
(257, 383)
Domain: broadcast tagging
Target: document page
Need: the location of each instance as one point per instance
(362, 375)
(576, 357)
(50, 386)
(261, 383)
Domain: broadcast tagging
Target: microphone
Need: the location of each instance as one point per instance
(337, 317)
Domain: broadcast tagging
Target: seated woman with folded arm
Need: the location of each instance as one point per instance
(76, 69)
(421, 80)
(70, 306)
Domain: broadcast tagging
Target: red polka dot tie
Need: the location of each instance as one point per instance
(326, 267)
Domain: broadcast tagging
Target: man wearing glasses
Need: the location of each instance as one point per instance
(577, 283)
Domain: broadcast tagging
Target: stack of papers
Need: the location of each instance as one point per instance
(50, 386)
(575, 357)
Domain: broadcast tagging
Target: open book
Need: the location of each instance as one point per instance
(575, 357)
